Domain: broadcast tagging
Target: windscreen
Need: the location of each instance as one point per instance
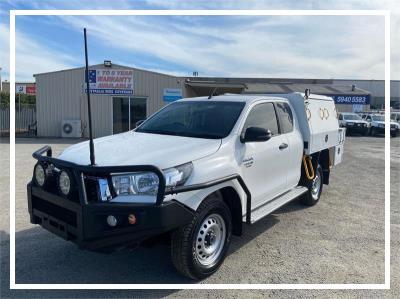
(351, 117)
(212, 120)
(378, 118)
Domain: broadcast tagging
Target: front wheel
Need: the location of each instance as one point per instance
(199, 248)
(314, 189)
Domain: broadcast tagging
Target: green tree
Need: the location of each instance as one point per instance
(5, 98)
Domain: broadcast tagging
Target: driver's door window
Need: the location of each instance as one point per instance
(262, 116)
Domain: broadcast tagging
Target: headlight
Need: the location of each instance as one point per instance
(178, 175)
(64, 182)
(39, 175)
(139, 183)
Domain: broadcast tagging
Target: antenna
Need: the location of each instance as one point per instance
(212, 92)
(91, 145)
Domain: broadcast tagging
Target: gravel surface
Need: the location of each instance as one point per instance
(340, 240)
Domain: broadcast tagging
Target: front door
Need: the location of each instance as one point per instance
(263, 166)
(126, 112)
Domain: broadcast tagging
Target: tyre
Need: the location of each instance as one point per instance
(373, 133)
(199, 248)
(314, 189)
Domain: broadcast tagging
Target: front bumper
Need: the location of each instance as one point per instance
(357, 128)
(86, 225)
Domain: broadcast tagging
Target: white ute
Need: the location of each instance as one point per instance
(227, 160)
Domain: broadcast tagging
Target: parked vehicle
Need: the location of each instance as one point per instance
(395, 116)
(197, 169)
(353, 123)
(377, 125)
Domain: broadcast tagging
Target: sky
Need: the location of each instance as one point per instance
(341, 47)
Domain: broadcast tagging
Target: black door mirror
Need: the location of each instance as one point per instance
(256, 134)
(139, 122)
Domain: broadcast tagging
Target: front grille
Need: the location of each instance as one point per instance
(393, 126)
(55, 211)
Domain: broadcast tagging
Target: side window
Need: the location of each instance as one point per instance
(262, 116)
(368, 118)
(340, 116)
(285, 117)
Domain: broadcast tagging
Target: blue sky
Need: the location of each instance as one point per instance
(310, 47)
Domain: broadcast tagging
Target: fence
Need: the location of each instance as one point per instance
(24, 116)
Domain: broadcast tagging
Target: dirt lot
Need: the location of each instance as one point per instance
(341, 240)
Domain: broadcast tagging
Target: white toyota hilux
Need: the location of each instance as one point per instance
(196, 170)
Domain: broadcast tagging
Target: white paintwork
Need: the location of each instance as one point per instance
(132, 148)
(379, 124)
(343, 122)
(273, 171)
(319, 131)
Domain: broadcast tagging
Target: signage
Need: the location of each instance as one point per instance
(20, 88)
(357, 108)
(110, 81)
(31, 89)
(351, 99)
(172, 94)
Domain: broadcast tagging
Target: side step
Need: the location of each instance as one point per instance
(276, 203)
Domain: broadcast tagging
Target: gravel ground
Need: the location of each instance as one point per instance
(341, 240)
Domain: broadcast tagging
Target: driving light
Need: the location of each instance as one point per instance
(111, 221)
(40, 175)
(178, 175)
(137, 183)
(64, 182)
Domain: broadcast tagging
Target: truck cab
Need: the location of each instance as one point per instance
(198, 169)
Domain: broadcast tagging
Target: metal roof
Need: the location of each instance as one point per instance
(325, 89)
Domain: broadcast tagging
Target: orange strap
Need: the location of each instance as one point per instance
(308, 167)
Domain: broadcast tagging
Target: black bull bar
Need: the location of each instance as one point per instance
(154, 218)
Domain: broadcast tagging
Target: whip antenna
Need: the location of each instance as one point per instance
(91, 145)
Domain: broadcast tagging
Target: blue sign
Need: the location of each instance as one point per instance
(109, 91)
(351, 99)
(172, 94)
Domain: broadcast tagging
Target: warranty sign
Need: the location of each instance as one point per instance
(107, 81)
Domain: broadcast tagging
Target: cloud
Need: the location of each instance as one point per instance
(4, 50)
(342, 47)
(33, 58)
(270, 46)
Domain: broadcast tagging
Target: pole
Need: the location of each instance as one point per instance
(91, 145)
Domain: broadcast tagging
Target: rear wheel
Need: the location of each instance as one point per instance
(199, 248)
(314, 189)
(373, 132)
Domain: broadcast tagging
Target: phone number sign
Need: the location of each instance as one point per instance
(352, 99)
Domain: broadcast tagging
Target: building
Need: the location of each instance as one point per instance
(20, 87)
(121, 95)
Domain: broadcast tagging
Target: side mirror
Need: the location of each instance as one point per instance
(256, 134)
(139, 122)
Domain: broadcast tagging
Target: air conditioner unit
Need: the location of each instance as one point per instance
(71, 128)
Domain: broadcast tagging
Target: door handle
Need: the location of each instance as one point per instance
(283, 146)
